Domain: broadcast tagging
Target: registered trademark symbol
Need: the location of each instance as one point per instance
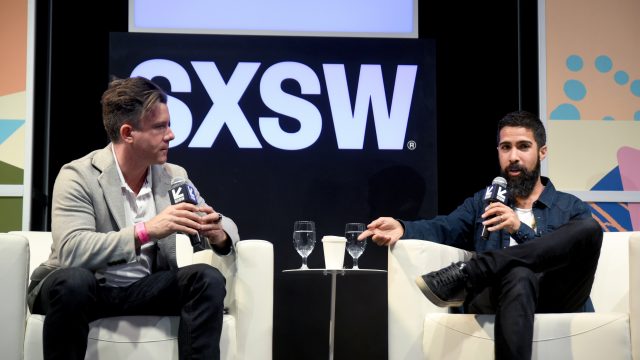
(411, 145)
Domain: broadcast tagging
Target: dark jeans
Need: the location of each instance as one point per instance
(551, 274)
(71, 298)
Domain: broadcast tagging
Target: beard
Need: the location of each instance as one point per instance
(521, 186)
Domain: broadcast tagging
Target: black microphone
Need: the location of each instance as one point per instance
(496, 192)
(181, 192)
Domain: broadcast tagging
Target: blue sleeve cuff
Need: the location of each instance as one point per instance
(524, 234)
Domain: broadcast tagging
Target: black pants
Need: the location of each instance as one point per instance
(551, 274)
(71, 298)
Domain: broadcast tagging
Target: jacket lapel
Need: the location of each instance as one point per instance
(161, 185)
(110, 183)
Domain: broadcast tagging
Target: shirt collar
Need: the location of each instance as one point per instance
(548, 194)
(123, 184)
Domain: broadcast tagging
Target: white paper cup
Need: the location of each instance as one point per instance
(334, 247)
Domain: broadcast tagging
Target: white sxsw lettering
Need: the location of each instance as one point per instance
(225, 108)
(277, 100)
(349, 124)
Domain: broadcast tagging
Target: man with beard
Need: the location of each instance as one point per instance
(541, 254)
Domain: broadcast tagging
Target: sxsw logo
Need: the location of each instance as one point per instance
(349, 122)
(496, 192)
(177, 195)
(192, 194)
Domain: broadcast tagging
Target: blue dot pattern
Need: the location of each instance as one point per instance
(635, 87)
(574, 63)
(575, 90)
(565, 112)
(621, 77)
(603, 63)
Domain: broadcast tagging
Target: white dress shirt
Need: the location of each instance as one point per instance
(137, 208)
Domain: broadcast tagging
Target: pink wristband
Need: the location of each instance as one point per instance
(141, 231)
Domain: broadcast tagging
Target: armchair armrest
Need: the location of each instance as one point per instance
(634, 293)
(14, 267)
(249, 274)
(254, 299)
(407, 306)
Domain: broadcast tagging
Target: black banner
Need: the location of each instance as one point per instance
(278, 129)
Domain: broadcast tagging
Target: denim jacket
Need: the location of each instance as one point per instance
(462, 228)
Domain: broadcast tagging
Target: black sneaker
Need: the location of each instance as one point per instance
(445, 287)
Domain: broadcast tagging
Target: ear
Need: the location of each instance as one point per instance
(543, 152)
(126, 133)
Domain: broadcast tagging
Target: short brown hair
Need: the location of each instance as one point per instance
(126, 101)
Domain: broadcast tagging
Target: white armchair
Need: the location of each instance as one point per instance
(420, 330)
(246, 330)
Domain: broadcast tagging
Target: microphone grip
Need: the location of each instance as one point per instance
(196, 242)
(485, 232)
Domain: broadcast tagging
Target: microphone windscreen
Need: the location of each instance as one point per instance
(499, 180)
(177, 181)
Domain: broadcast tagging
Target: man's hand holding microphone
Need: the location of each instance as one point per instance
(187, 216)
(497, 215)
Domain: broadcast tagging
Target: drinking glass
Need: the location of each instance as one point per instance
(304, 239)
(355, 247)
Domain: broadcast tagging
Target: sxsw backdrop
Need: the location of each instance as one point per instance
(588, 56)
(278, 129)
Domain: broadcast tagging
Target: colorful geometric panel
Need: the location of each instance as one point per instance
(10, 214)
(629, 165)
(13, 46)
(10, 175)
(8, 127)
(612, 216)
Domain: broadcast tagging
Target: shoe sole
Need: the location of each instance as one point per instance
(426, 291)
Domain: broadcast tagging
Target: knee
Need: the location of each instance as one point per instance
(595, 230)
(72, 287)
(591, 233)
(212, 281)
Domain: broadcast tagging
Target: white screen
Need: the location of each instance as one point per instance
(367, 18)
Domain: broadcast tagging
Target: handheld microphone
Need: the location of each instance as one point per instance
(496, 192)
(181, 192)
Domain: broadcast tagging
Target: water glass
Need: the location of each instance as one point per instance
(304, 239)
(355, 247)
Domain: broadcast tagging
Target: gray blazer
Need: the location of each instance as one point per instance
(88, 222)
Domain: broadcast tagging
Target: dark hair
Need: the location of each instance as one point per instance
(126, 101)
(526, 120)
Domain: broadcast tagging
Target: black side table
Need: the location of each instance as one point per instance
(334, 274)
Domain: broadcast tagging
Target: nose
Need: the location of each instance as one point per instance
(513, 156)
(169, 135)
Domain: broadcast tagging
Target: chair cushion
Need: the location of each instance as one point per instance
(131, 337)
(556, 336)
